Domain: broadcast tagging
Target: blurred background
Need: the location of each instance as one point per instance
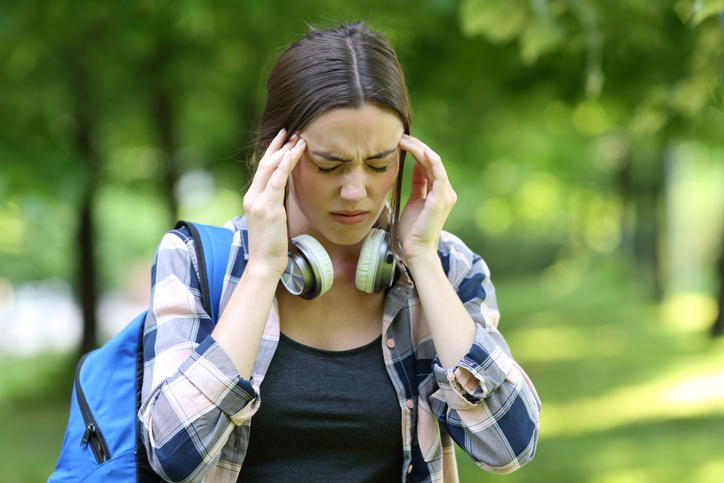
(584, 140)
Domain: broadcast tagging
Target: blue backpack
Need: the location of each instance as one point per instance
(102, 441)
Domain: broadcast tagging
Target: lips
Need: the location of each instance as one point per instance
(349, 217)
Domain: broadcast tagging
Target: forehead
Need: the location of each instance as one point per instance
(349, 130)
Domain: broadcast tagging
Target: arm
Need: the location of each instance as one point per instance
(196, 382)
(241, 326)
(193, 396)
(485, 401)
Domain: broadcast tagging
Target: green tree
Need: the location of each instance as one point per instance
(646, 74)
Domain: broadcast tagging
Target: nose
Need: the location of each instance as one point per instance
(353, 187)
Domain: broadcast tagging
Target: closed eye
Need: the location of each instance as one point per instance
(327, 170)
(380, 169)
(376, 169)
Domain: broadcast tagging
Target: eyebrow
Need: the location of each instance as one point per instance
(332, 157)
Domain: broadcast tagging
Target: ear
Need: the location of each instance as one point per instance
(267, 144)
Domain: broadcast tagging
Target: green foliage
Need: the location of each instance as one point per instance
(534, 23)
(698, 11)
(543, 111)
(572, 131)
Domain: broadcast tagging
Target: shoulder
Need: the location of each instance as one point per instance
(178, 245)
(237, 224)
(175, 242)
(182, 235)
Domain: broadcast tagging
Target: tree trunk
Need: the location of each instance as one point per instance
(87, 276)
(85, 116)
(647, 199)
(717, 330)
(164, 120)
(163, 114)
(624, 186)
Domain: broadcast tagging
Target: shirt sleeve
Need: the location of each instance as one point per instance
(193, 396)
(486, 402)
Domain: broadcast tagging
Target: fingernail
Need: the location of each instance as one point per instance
(286, 156)
(281, 132)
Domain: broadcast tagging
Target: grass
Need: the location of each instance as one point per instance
(633, 392)
(34, 404)
(30, 440)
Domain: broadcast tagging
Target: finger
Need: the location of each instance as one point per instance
(268, 166)
(438, 169)
(417, 149)
(264, 172)
(278, 180)
(296, 155)
(434, 166)
(440, 190)
(276, 143)
(278, 140)
(297, 151)
(419, 183)
(279, 145)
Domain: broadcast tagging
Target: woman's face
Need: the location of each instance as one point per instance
(342, 181)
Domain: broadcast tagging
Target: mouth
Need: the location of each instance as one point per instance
(349, 217)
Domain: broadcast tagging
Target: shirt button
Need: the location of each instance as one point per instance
(410, 403)
(450, 376)
(472, 385)
(391, 343)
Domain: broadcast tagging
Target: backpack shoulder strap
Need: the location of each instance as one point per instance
(213, 245)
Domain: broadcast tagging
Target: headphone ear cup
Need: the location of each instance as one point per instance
(369, 261)
(320, 263)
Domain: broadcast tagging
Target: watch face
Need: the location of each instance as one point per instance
(292, 278)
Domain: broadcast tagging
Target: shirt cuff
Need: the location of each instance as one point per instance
(212, 372)
(476, 376)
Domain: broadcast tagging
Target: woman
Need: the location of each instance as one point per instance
(349, 382)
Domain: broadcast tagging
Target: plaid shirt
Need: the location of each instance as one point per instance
(197, 411)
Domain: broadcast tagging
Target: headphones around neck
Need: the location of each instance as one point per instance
(310, 273)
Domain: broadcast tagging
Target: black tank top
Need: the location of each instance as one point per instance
(325, 416)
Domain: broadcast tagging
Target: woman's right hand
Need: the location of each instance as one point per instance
(263, 204)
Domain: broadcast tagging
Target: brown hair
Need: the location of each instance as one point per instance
(346, 67)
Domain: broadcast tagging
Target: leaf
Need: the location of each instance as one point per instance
(704, 9)
(497, 20)
(541, 37)
(691, 95)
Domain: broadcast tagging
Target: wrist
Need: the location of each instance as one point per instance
(261, 273)
(421, 262)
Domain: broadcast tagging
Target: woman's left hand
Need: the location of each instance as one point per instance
(431, 200)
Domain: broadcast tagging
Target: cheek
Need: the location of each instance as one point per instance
(296, 185)
(307, 187)
(302, 178)
(304, 173)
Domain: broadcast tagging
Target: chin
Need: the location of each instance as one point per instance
(347, 236)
